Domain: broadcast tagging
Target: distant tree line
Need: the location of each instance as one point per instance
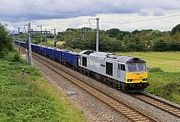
(116, 40)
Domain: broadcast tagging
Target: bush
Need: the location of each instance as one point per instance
(155, 69)
(13, 57)
(3, 53)
(5, 41)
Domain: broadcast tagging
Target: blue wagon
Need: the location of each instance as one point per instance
(70, 58)
(57, 54)
(23, 44)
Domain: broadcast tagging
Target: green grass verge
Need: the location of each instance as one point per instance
(166, 85)
(26, 96)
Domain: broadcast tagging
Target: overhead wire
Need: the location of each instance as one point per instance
(145, 20)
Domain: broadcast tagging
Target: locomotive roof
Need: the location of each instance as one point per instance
(100, 54)
(128, 59)
(94, 54)
(110, 56)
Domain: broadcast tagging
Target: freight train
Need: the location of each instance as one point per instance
(122, 72)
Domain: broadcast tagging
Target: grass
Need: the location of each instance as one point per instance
(26, 96)
(59, 45)
(58, 42)
(165, 85)
(51, 43)
(167, 61)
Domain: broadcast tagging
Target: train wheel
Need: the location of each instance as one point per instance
(114, 84)
(122, 87)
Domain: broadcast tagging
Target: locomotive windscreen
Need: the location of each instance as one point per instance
(136, 67)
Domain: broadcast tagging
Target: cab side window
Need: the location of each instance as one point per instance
(123, 67)
(84, 61)
(109, 68)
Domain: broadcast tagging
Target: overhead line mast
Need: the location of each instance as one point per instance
(97, 35)
(97, 32)
(29, 45)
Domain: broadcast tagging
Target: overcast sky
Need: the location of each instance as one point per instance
(62, 14)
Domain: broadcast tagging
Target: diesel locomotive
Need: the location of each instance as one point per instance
(122, 72)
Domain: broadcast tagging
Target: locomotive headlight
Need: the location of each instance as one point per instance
(129, 80)
(145, 79)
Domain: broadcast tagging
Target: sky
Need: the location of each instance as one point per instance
(127, 15)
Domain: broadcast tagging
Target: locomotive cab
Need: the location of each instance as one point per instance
(136, 74)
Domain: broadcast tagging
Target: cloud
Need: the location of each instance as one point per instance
(158, 12)
(152, 12)
(21, 10)
(145, 12)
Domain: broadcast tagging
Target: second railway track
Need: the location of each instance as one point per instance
(131, 113)
(165, 106)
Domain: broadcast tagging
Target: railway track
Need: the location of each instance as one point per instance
(165, 106)
(131, 113)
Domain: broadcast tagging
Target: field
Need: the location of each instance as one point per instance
(51, 43)
(26, 96)
(167, 61)
(165, 83)
(59, 44)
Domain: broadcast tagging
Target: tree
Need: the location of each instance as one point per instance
(160, 45)
(155, 34)
(175, 30)
(135, 32)
(174, 46)
(113, 32)
(5, 41)
(60, 37)
(116, 40)
(70, 30)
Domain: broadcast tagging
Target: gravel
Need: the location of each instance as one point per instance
(93, 109)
